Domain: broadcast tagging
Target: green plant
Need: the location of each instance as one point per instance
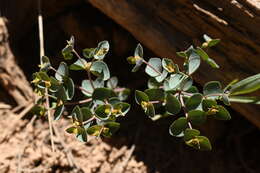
(171, 92)
(96, 114)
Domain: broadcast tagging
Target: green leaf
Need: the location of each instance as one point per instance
(58, 112)
(192, 89)
(71, 130)
(190, 134)
(178, 126)
(137, 65)
(222, 113)
(110, 128)
(176, 79)
(212, 63)
(200, 143)
(213, 87)
(88, 52)
(43, 76)
(86, 113)
(193, 62)
(197, 117)
(87, 88)
(186, 83)
(70, 88)
(149, 110)
(80, 64)
(213, 42)
(139, 51)
(206, 38)
(123, 95)
(152, 83)
(173, 105)
(77, 114)
(247, 85)
(140, 97)
(245, 99)
(81, 136)
(95, 130)
(209, 41)
(208, 103)
(169, 66)
(100, 69)
(55, 85)
(45, 63)
(206, 58)
(155, 94)
(62, 71)
(62, 95)
(194, 101)
(67, 52)
(101, 50)
(122, 108)
(162, 76)
(112, 82)
(103, 111)
(103, 93)
(154, 68)
(182, 54)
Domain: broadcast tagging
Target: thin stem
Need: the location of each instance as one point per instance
(40, 27)
(186, 94)
(88, 72)
(151, 67)
(41, 40)
(49, 118)
(79, 102)
(155, 101)
(185, 109)
(119, 89)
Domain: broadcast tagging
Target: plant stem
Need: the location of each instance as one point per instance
(88, 72)
(185, 109)
(151, 67)
(155, 101)
(49, 118)
(41, 40)
(79, 102)
(119, 89)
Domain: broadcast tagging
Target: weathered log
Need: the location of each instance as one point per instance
(11, 76)
(168, 26)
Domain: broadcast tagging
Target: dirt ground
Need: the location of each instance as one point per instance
(141, 146)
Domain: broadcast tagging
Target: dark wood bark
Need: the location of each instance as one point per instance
(165, 26)
(11, 76)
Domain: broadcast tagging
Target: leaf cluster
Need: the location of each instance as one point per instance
(171, 92)
(103, 101)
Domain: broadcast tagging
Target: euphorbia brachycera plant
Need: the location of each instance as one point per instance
(171, 93)
(104, 101)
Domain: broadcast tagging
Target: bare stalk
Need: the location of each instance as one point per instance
(41, 40)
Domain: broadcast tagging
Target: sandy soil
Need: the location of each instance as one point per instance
(141, 146)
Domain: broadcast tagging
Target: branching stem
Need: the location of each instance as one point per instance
(79, 102)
